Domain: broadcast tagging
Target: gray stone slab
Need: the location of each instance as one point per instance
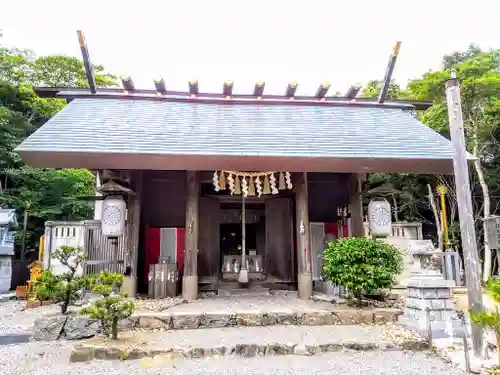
(14, 339)
(49, 328)
(81, 327)
(432, 283)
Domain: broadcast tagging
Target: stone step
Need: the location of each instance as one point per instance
(242, 292)
(247, 342)
(192, 320)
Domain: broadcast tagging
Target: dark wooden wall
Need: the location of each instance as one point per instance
(279, 258)
(164, 205)
(165, 199)
(326, 191)
(209, 242)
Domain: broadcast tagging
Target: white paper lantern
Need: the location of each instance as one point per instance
(379, 217)
(113, 216)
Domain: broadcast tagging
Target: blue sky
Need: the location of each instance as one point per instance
(344, 42)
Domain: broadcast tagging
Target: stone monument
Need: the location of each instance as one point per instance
(428, 295)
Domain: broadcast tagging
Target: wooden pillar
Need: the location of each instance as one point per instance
(304, 279)
(133, 228)
(357, 228)
(190, 278)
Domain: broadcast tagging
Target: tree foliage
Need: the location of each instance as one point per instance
(479, 76)
(68, 71)
(490, 320)
(66, 288)
(363, 265)
(373, 88)
(51, 194)
(111, 307)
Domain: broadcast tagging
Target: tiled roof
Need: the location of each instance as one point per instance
(186, 128)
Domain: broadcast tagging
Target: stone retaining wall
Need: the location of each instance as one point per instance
(254, 319)
(74, 327)
(86, 353)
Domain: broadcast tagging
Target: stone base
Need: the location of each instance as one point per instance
(428, 290)
(190, 287)
(305, 285)
(129, 286)
(440, 329)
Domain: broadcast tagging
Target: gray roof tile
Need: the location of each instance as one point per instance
(183, 128)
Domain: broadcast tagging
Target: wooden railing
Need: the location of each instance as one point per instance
(411, 231)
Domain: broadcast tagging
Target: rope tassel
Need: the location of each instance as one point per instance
(251, 187)
(282, 182)
(251, 183)
(237, 186)
(222, 181)
(267, 189)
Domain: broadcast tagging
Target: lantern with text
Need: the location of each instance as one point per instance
(113, 216)
(379, 217)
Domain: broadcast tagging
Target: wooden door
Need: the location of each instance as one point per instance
(317, 231)
(209, 232)
(279, 245)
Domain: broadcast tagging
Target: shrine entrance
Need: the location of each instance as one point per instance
(231, 239)
(255, 226)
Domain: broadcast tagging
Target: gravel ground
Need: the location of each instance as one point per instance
(52, 359)
(306, 335)
(15, 319)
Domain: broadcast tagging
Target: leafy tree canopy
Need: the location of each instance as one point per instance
(50, 194)
(479, 77)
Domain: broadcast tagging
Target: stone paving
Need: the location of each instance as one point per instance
(266, 303)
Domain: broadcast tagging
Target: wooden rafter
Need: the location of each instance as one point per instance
(388, 73)
(89, 71)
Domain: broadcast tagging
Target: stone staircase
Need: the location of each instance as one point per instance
(265, 324)
(244, 342)
(235, 289)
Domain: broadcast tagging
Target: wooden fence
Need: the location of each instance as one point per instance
(101, 252)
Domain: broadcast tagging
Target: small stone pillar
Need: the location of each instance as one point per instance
(430, 290)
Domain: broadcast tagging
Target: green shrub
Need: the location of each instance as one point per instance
(64, 289)
(46, 287)
(112, 307)
(490, 320)
(362, 264)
